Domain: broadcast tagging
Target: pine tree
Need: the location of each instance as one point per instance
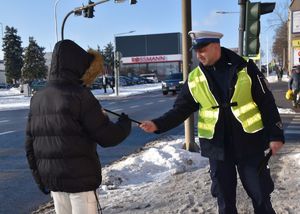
(34, 62)
(108, 54)
(12, 55)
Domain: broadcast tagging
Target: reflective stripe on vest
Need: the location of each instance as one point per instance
(201, 93)
(246, 111)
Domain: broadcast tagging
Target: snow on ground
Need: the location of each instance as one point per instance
(164, 178)
(11, 99)
(273, 78)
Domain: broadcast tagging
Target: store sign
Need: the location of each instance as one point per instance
(151, 59)
(147, 59)
(296, 56)
(296, 43)
(296, 22)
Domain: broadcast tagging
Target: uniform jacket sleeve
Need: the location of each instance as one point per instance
(97, 124)
(266, 103)
(183, 107)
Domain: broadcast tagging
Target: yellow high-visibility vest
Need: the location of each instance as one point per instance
(246, 110)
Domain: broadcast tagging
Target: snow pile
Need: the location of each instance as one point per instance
(163, 178)
(154, 164)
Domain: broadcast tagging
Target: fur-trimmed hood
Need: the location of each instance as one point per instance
(73, 64)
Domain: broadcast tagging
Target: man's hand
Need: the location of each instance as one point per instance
(148, 126)
(275, 146)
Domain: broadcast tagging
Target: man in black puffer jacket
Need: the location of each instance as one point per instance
(65, 124)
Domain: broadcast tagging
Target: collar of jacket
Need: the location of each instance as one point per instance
(235, 64)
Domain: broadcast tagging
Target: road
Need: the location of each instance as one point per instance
(291, 122)
(16, 183)
(18, 192)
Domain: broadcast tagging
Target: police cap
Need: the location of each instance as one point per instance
(202, 38)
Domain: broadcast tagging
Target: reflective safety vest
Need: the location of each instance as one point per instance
(245, 109)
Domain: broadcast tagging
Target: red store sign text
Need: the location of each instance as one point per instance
(145, 59)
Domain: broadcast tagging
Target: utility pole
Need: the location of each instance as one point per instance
(186, 61)
(117, 58)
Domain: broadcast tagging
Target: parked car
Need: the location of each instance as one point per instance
(151, 77)
(125, 81)
(173, 83)
(37, 85)
(138, 80)
(97, 84)
(4, 86)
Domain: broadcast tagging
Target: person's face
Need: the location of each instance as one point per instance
(209, 54)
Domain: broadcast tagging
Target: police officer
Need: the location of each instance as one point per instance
(238, 120)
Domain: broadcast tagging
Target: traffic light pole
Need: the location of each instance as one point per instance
(242, 4)
(78, 11)
(63, 24)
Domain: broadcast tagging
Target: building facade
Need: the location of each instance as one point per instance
(294, 34)
(2, 72)
(155, 53)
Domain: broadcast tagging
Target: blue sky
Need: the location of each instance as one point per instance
(36, 18)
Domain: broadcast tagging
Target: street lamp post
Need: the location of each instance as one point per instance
(1, 30)
(117, 57)
(241, 25)
(225, 12)
(2, 33)
(55, 19)
(267, 41)
(267, 55)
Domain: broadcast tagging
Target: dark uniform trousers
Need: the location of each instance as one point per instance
(224, 181)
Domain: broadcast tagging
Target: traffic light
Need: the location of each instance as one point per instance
(253, 12)
(117, 63)
(89, 11)
(132, 1)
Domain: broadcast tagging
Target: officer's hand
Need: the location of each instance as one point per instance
(43, 189)
(148, 126)
(275, 146)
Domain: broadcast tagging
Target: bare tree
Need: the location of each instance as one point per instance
(279, 22)
(280, 45)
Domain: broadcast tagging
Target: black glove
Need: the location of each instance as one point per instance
(43, 189)
(125, 123)
(123, 116)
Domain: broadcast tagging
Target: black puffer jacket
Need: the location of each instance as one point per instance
(66, 122)
(229, 138)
